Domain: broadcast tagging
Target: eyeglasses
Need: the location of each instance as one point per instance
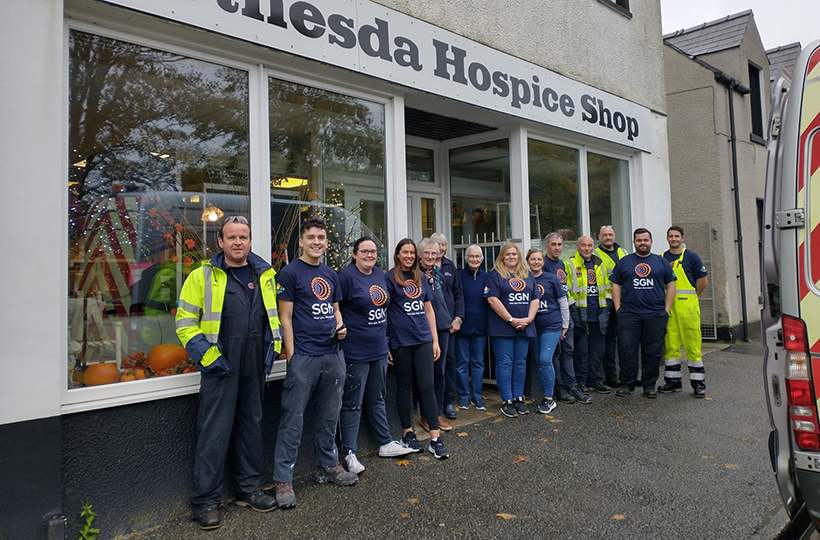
(236, 219)
(367, 251)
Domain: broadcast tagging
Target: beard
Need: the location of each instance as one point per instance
(643, 250)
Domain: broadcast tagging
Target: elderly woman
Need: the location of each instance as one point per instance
(514, 298)
(429, 253)
(472, 338)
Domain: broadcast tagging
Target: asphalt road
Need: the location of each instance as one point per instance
(675, 467)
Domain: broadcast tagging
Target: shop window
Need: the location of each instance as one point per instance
(158, 147)
(326, 160)
(555, 204)
(480, 192)
(608, 181)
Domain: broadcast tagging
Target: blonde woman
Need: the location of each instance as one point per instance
(513, 296)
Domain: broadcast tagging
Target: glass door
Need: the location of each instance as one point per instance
(423, 214)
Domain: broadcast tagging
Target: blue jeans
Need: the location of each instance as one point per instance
(365, 383)
(510, 365)
(470, 364)
(544, 347)
(323, 379)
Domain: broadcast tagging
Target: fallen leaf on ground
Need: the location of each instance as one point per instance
(731, 466)
(619, 517)
(617, 415)
(491, 432)
(497, 420)
(548, 416)
(403, 462)
(522, 459)
(501, 456)
(462, 434)
(575, 463)
(556, 421)
(506, 516)
(414, 501)
(489, 414)
(707, 399)
(404, 515)
(707, 457)
(425, 458)
(544, 440)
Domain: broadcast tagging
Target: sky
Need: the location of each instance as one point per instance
(779, 22)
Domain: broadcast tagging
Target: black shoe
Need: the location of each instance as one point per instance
(209, 519)
(508, 409)
(521, 406)
(600, 388)
(450, 411)
(650, 393)
(584, 389)
(563, 396)
(258, 501)
(437, 449)
(580, 396)
(412, 442)
(624, 391)
(668, 388)
(700, 392)
(613, 383)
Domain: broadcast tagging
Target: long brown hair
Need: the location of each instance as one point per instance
(521, 270)
(398, 275)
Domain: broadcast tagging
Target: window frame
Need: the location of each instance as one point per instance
(756, 104)
(619, 6)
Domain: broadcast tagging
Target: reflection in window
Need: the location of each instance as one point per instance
(480, 192)
(554, 200)
(327, 160)
(158, 153)
(608, 195)
(420, 164)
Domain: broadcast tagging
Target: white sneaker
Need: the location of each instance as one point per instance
(394, 449)
(353, 464)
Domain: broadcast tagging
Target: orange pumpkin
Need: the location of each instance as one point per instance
(126, 378)
(163, 357)
(140, 373)
(102, 373)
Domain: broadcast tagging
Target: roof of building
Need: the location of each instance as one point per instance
(713, 36)
(783, 57)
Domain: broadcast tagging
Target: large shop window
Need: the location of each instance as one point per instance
(554, 197)
(158, 147)
(608, 179)
(326, 160)
(480, 192)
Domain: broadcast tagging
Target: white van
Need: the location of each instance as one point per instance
(791, 284)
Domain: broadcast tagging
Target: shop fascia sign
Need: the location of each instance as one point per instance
(368, 38)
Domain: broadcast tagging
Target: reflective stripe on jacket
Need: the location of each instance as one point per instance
(607, 261)
(578, 283)
(199, 311)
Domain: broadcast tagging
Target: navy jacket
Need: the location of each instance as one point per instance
(453, 290)
(475, 305)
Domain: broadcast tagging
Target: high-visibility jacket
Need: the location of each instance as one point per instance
(609, 264)
(199, 311)
(578, 282)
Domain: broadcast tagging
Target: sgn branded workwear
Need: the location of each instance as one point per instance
(683, 329)
(609, 259)
(590, 288)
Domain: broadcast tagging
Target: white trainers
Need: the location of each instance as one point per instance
(394, 449)
(353, 464)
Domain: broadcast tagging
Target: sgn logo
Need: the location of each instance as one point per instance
(517, 284)
(321, 288)
(562, 276)
(378, 295)
(411, 289)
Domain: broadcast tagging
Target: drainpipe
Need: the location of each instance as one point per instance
(733, 85)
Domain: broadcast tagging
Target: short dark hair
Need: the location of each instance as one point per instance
(312, 223)
(675, 228)
(242, 220)
(641, 230)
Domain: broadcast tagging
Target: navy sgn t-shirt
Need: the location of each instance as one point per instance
(364, 311)
(643, 283)
(558, 269)
(548, 318)
(692, 265)
(515, 294)
(313, 291)
(592, 291)
(406, 319)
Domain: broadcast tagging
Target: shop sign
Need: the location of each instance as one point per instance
(371, 39)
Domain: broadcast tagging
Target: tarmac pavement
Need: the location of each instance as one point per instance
(631, 468)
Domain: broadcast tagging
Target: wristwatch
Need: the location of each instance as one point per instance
(509, 320)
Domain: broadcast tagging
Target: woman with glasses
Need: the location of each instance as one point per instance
(472, 338)
(413, 340)
(551, 324)
(430, 260)
(513, 297)
(363, 307)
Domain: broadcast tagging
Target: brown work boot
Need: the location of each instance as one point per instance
(444, 424)
(425, 425)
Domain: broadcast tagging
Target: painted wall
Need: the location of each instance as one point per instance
(586, 41)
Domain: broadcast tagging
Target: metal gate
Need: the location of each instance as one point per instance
(698, 238)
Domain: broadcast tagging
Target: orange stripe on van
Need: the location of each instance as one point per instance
(813, 61)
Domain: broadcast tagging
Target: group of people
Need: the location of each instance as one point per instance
(430, 321)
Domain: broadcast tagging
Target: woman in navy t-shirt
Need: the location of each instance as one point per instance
(413, 341)
(513, 297)
(364, 311)
(551, 324)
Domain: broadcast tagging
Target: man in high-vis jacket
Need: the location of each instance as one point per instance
(590, 289)
(228, 322)
(683, 328)
(610, 253)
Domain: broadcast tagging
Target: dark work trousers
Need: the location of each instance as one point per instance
(323, 378)
(646, 332)
(610, 360)
(415, 361)
(230, 407)
(589, 348)
(450, 370)
(440, 379)
(562, 360)
(364, 389)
